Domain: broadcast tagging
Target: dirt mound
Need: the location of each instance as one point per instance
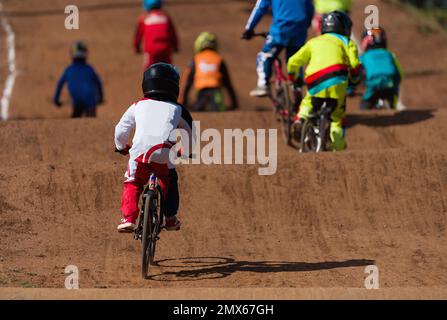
(318, 222)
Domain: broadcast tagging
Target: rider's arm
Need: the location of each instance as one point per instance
(173, 35)
(298, 60)
(124, 128)
(59, 86)
(190, 73)
(354, 63)
(138, 36)
(258, 11)
(226, 80)
(398, 67)
(186, 124)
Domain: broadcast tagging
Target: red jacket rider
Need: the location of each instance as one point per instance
(157, 33)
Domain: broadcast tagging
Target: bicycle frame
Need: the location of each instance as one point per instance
(324, 119)
(151, 187)
(318, 125)
(153, 182)
(277, 65)
(284, 103)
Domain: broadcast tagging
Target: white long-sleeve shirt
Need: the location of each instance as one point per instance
(153, 121)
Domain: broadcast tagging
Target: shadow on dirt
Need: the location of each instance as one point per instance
(424, 73)
(202, 268)
(405, 117)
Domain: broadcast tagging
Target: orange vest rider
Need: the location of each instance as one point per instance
(207, 70)
(209, 74)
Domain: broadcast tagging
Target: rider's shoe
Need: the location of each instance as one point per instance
(259, 92)
(126, 226)
(172, 223)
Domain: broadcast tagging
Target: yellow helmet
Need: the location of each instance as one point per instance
(206, 40)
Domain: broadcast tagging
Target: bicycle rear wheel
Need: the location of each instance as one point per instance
(309, 138)
(324, 133)
(147, 238)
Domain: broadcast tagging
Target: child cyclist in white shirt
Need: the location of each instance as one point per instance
(154, 119)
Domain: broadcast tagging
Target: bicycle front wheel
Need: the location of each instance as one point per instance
(286, 113)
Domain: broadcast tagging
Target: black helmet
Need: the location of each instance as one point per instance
(79, 50)
(374, 38)
(337, 22)
(161, 82)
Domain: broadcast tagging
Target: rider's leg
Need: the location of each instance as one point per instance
(338, 131)
(218, 99)
(395, 102)
(368, 100)
(303, 112)
(305, 108)
(90, 112)
(393, 98)
(168, 180)
(201, 102)
(149, 58)
(77, 110)
(264, 62)
(366, 104)
(137, 175)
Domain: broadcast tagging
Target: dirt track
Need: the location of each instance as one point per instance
(316, 223)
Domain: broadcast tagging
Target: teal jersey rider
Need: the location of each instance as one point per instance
(383, 73)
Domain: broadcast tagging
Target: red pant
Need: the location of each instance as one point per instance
(137, 175)
(151, 58)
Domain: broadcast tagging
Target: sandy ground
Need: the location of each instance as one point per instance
(225, 294)
(308, 231)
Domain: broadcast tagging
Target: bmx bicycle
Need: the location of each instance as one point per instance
(150, 222)
(285, 96)
(315, 132)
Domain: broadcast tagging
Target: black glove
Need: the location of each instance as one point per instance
(125, 151)
(247, 35)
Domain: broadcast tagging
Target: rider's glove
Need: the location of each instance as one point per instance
(247, 35)
(125, 151)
